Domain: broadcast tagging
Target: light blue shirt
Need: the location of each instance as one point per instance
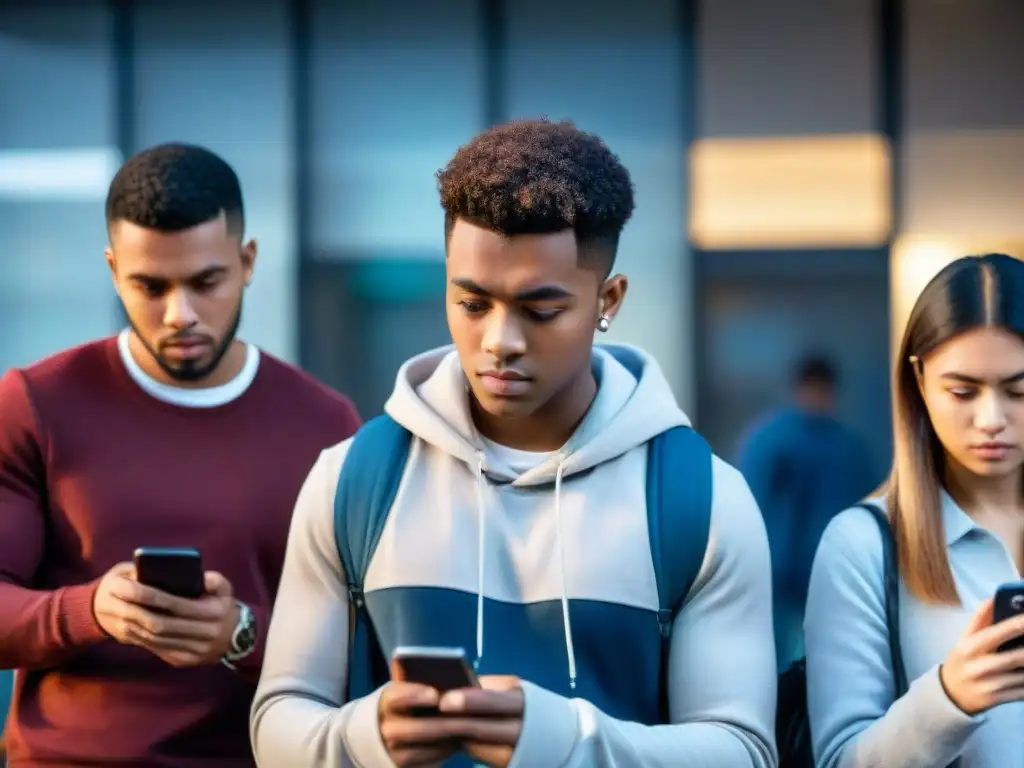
(854, 721)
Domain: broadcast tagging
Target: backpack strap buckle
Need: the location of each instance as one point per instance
(356, 597)
(665, 621)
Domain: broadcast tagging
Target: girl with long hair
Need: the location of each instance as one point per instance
(955, 506)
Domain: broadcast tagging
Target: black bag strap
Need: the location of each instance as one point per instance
(892, 600)
(891, 587)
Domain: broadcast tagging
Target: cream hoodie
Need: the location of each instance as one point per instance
(545, 574)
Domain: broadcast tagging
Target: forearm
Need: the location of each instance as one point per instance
(40, 629)
(922, 729)
(290, 727)
(561, 732)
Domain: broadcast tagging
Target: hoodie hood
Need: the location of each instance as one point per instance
(634, 403)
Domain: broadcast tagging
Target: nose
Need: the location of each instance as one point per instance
(503, 336)
(179, 312)
(990, 416)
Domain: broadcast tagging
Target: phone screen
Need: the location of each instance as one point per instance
(442, 668)
(177, 572)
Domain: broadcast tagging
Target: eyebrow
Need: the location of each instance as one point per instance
(540, 293)
(205, 274)
(965, 379)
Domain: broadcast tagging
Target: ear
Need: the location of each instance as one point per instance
(248, 260)
(109, 254)
(612, 294)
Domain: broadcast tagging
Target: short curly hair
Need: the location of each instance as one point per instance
(531, 177)
(173, 187)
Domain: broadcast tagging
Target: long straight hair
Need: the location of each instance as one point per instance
(971, 292)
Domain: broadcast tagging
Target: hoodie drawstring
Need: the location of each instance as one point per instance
(561, 571)
(481, 487)
(480, 543)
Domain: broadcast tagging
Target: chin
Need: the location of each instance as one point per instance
(504, 407)
(995, 469)
(187, 374)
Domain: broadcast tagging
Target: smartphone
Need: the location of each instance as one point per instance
(1009, 602)
(442, 668)
(176, 571)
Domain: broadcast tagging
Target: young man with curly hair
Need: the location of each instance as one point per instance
(519, 530)
(173, 433)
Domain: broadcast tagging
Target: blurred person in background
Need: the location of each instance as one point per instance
(173, 433)
(804, 466)
(955, 509)
(520, 528)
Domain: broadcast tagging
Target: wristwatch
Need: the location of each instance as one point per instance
(243, 639)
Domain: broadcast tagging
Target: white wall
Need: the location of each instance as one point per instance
(396, 88)
(616, 70)
(56, 160)
(787, 67)
(963, 155)
(219, 74)
(964, 148)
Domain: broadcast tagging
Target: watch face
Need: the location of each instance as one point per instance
(246, 639)
(245, 635)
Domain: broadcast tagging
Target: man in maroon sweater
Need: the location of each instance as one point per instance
(175, 434)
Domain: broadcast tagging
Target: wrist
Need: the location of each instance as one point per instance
(949, 695)
(78, 613)
(242, 639)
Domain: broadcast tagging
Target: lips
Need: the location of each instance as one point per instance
(505, 383)
(186, 349)
(992, 451)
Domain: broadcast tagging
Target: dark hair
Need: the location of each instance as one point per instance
(816, 369)
(173, 187)
(971, 292)
(538, 177)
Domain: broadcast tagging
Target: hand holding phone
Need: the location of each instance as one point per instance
(411, 732)
(986, 666)
(479, 716)
(135, 604)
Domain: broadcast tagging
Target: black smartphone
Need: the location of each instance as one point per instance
(442, 668)
(1009, 602)
(176, 571)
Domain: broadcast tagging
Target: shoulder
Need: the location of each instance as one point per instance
(737, 538)
(70, 365)
(292, 382)
(849, 567)
(766, 434)
(852, 541)
(31, 395)
(49, 379)
(732, 501)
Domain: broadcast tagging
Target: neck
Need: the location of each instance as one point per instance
(549, 427)
(228, 368)
(986, 496)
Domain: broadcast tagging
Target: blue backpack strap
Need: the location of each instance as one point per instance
(679, 492)
(367, 487)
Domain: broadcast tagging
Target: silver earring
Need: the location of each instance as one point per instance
(603, 323)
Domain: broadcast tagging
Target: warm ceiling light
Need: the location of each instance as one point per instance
(798, 192)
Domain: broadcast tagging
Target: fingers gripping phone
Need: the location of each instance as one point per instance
(176, 571)
(1008, 603)
(444, 669)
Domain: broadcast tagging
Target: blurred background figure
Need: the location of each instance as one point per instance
(803, 466)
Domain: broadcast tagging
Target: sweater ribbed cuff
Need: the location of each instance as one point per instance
(78, 620)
